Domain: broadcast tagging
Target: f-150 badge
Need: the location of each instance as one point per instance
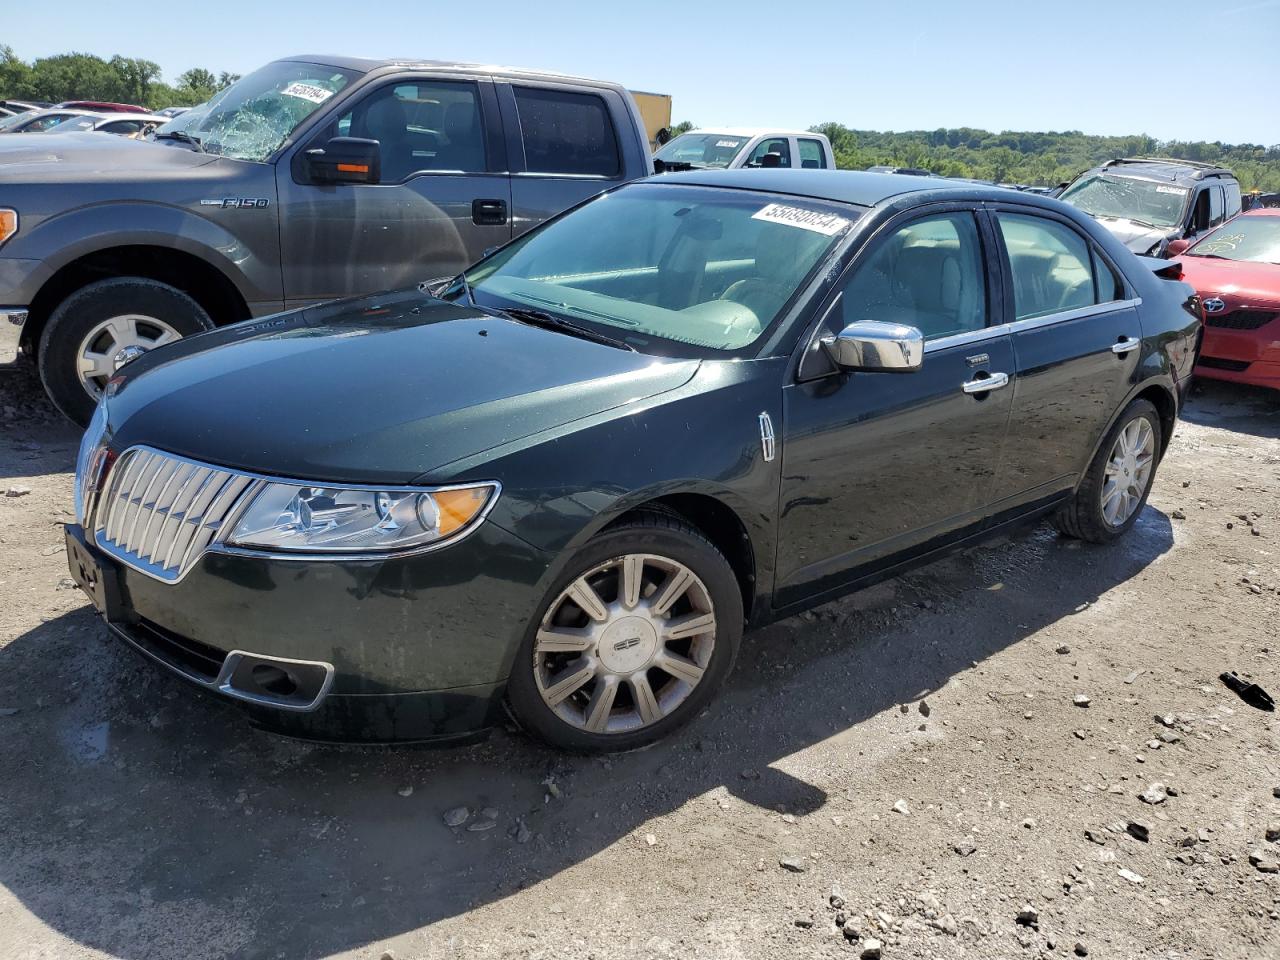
(238, 203)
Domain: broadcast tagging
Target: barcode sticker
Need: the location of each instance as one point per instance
(827, 224)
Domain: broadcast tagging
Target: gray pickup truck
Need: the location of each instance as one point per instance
(309, 179)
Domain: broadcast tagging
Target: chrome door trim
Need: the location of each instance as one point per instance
(1031, 323)
(986, 384)
(768, 443)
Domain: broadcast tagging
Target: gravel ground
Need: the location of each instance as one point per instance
(906, 770)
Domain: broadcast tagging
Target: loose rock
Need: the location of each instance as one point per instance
(793, 865)
(901, 807)
(406, 790)
(1264, 863)
(871, 948)
(17, 491)
(1080, 700)
(1156, 793)
(1028, 916)
(1130, 875)
(965, 848)
(456, 817)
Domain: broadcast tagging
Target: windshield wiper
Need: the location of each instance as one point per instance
(182, 137)
(538, 318)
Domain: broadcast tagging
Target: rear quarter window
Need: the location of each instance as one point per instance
(567, 133)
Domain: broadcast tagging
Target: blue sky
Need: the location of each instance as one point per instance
(1173, 69)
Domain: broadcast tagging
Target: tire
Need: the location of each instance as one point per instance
(627, 648)
(153, 312)
(1084, 517)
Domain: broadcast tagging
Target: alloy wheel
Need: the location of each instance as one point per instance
(625, 644)
(113, 343)
(1128, 471)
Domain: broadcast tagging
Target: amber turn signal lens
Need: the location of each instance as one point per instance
(8, 223)
(459, 507)
(353, 168)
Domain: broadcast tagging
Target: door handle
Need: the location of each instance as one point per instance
(985, 384)
(489, 213)
(1125, 344)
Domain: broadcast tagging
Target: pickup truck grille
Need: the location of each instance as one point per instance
(159, 512)
(1241, 319)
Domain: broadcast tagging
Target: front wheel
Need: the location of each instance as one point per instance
(101, 327)
(632, 640)
(1118, 481)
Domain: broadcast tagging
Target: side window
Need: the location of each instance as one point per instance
(812, 156)
(422, 126)
(927, 274)
(1217, 207)
(1109, 286)
(778, 145)
(123, 126)
(1051, 266)
(1233, 199)
(1200, 215)
(569, 133)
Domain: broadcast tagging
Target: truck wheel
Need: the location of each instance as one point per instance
(100, 328)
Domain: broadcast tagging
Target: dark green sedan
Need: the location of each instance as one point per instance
(568, 479)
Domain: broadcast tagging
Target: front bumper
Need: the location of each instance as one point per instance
(11, 323)
(415, 648)
(1242, 356)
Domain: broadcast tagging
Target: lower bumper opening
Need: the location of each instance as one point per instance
(1220, 363)
(279, 682)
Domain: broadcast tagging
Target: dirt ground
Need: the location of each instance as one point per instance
(905, 766)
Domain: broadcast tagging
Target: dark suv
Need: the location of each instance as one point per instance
(309, 179)
(1149, 202)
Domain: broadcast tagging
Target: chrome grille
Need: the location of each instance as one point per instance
(159, 512)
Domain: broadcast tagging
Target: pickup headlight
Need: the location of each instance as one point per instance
(344, 520)
(8, 223)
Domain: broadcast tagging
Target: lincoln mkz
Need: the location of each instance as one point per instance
(564, 482)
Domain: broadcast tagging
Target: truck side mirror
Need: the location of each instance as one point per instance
(345, 160)
(1177, 247)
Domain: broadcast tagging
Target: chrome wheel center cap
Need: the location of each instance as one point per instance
(627, 644)
(127, 354)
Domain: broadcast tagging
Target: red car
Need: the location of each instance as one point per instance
(102, 106)
(1236, 271)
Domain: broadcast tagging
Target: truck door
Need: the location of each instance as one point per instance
(444, 195)
(566, 144)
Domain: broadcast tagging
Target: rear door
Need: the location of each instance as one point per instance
(1076, 342)
(444, 195)
(811, 153)
(566, 144)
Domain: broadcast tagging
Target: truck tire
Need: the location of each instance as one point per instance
(101, 327)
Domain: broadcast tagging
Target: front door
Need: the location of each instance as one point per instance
(443, 199)
(1076, 341)
(881, 466)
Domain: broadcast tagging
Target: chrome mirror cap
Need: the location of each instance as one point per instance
(873, 345)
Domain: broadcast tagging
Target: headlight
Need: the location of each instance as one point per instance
(313, 519)
(8, 223)
(90, 463)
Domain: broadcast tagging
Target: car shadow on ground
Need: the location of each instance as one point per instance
(1234, 406)
(143, 821)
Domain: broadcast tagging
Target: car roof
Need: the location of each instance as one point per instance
(1167, 169)
(753, 132)
(131, 116)
(367, 65)
(1262, 212)
(841, 186)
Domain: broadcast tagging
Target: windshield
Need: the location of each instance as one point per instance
(701, 267)
(250, 119)
(702, 149)
(1128, 198)
(14, 120)
(72, 123)
(1251, 238)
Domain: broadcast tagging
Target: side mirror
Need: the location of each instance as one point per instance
(1177, 247)
(877, 347)
(345, 160)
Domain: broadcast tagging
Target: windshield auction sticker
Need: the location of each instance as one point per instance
(307, 91)
(1176, 191)
(827, 224)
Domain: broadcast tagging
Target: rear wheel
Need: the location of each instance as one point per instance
(101, 327)
(1118, 481)
(631, 641)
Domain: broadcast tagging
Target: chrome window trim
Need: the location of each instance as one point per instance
(257, 482)
(1031, 323)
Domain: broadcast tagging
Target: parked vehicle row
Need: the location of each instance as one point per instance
(735, 148)
(71, 120)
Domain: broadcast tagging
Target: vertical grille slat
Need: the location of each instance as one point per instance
(159, 512)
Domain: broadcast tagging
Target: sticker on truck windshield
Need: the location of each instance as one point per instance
(1179, 191)
(307, 91)
(728, 143)
(827, 224)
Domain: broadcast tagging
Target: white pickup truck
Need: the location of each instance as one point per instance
(732, 148)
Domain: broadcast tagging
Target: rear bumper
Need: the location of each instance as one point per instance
(12, 320)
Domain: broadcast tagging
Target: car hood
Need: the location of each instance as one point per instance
(1138, 237)
(382, 389)
(1237, 283)
(89, 157)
